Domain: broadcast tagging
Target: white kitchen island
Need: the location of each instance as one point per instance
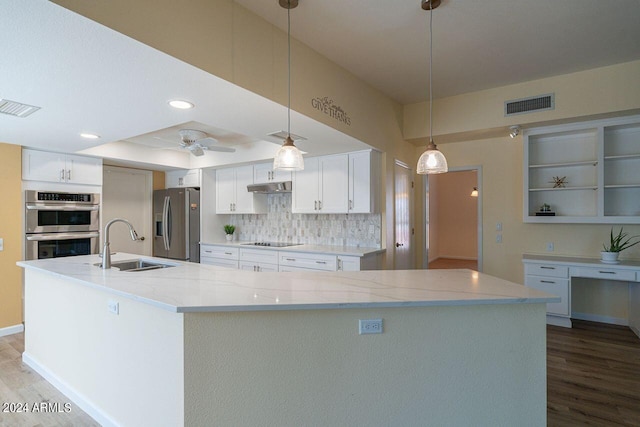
(202, 345)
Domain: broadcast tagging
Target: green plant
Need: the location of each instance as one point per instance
(229, 229)
(620, 242)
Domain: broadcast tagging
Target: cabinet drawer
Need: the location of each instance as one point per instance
(290, 269)
(605, 273)
(259, 255)
(309, 261)
(258, 266)
(554, 286)
(220, 262)
(218, 252)
(548, 270)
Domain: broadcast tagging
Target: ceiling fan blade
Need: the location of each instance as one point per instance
(196, 150)
(221, 149)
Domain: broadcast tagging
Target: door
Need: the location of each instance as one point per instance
(225, 190)
(360, 182)
(127, 193)
(244, 199)
(304, 197)
(403, 218)
(334, 185)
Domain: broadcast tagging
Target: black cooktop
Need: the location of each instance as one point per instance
(272, 244)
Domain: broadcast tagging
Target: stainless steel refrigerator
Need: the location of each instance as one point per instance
(176, 220)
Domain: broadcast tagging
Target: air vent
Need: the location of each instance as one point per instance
(17, 109)
(529, 105)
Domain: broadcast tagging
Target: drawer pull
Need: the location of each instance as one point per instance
(228, 253)
(208, 252)
(321, 262)
(547, 281)
(547, 268)
(607, 272)
(290, 259)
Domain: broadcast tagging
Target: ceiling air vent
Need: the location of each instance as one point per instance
(17, 109)
(529, 105)
(283, 134)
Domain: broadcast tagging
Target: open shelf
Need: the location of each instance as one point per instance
(563, 189)
(565, 164)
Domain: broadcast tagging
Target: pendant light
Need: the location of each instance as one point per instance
(288, 156)
(432, 160)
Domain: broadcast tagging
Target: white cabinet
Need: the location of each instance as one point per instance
(585, 172)
(307, 261)
(232, 195)
(258, 260)
(363, 181)
(222, 256)
(263, 173)
(553, 279)
(182, 178)
(64, 168)
(321, 187)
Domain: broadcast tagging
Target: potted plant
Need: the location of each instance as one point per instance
(617, 244)
(229, 229)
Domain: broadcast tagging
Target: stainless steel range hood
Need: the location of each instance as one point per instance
(271, 187)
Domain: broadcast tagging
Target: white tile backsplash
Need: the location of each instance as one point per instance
(280, 225)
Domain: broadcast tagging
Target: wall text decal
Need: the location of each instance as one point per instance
(327, 106)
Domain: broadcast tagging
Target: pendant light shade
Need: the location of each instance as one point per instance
(288, 157)
(432, 160)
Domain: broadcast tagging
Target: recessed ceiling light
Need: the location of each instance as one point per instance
(180, 104)
(89, 135)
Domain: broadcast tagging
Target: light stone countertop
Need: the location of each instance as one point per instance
(320, 249)
(190, 287)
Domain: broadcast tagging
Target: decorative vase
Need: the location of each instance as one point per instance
(609, 257)
(229, 237)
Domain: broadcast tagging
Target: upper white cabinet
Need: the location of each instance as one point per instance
(263, 173)
(363, 181)
(232, 195)
(63, 168)
(322, 186)
(182, 178)
(585, 172)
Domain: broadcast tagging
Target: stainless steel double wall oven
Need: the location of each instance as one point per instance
(59, 224)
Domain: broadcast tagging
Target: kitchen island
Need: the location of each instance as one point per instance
(203, 345)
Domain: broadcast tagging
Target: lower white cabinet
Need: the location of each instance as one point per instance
(222, 256)
(553, 279)
(308, 261)
(258, 260)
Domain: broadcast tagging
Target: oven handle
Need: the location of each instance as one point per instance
(61, 236)
(62, 208)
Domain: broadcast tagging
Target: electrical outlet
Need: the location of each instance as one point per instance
(369, 326)
(549, 246)
(498, 226)
(1, 244)
(113, 307)
(498, 238)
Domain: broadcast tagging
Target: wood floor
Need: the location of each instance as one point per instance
(593, 378)
(445, 263)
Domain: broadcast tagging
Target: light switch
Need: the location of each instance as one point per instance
(1, 244)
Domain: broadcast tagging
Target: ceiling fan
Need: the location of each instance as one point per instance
(197, 142)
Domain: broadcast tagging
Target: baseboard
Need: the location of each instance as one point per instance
(635, 330)
(564, 322)
(601, 319)
(10, 330)
(463, 258)
(81, 401)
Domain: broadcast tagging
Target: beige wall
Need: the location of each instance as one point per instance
(455, 214)
(11, 212)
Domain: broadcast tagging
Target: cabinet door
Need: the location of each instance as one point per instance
(84, 170)
(244, 199)
(225, 190)
(262, 173)
(304, 196)
(280, 176)
(348, 263)
(334, 184)
(182, 178)
(43, 166)
(360, 183)
(554, 286)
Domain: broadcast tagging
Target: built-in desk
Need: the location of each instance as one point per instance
(553, 275)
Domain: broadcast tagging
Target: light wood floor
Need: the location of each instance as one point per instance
(593, 378)
(446, 263)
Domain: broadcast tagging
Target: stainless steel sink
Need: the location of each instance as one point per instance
(137, 265)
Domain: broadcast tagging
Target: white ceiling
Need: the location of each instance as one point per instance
(88, 78)
(477, 44)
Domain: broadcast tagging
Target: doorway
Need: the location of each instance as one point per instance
(403, 218)
(453, 219)
(127, 193)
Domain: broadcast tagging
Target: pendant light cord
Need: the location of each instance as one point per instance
(430, 73)
(289, 68)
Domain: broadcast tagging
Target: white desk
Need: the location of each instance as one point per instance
(553, 274)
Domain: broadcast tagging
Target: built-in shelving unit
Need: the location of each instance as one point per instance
(598, 165)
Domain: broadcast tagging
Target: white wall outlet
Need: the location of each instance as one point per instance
(549, 246)
(498, 238)
(369, 326)
(1, 244)
(113, 307)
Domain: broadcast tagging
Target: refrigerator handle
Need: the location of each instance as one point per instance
(165, 223)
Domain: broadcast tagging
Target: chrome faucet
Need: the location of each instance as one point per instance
(106, 253)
